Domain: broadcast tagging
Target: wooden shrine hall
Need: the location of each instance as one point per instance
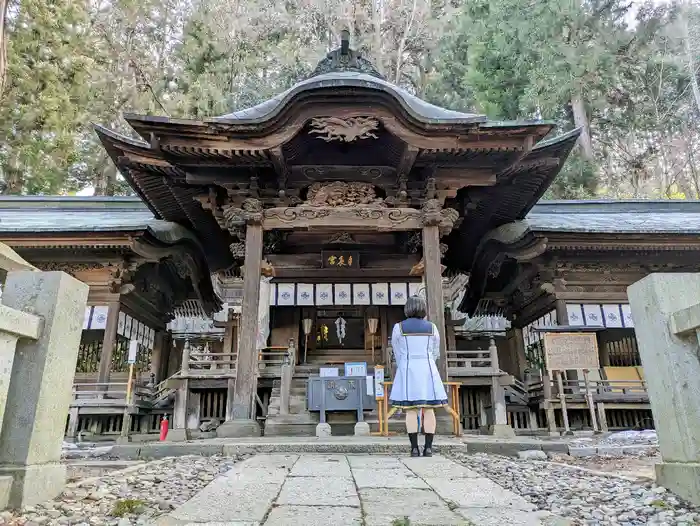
(345, 183)
(292, 233)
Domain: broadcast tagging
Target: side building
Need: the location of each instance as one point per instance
(565, 268)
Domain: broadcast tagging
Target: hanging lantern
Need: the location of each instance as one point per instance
(372, 325)
(306, 325)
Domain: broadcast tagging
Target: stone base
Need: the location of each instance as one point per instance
(238, 429)
(123, 440)
(681, 478)
(362, 429)
(33, 485)
(297, 425)
(179, 435)
(502, 431)
(323, 430)
(5, 488)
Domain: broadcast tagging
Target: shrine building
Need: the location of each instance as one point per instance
(290, 234)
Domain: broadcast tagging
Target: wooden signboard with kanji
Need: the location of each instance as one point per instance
(340, 259)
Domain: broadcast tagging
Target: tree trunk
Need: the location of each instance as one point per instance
(689, 57)
(377, 41)
(105, 179)
(3, 44)
(581, 121)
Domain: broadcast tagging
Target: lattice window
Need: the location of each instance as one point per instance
(89, 351)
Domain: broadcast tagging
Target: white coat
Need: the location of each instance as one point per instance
(417, 382)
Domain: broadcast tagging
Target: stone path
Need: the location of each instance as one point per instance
(361, 490)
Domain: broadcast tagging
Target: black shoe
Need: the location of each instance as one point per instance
(413, 437)
(428, 449)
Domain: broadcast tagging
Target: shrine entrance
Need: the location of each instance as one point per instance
(348, 194)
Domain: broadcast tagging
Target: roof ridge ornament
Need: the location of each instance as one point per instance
(345, 59)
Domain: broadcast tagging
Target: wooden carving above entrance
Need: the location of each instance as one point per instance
(348, 129)
(339, 194)
(347, 218)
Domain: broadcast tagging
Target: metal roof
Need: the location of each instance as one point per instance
(24, 214)
(20, 214)
(613, 217)
(68, 214)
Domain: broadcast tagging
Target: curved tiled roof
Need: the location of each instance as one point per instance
(417, 108)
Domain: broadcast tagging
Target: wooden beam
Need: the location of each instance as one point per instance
(349, 219)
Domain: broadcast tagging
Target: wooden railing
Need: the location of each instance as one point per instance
(113, 392)
(271, 359)
(469, 363)
(205, 363)
(602, 390)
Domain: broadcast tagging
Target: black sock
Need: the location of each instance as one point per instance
(429, 440)
(413, 437)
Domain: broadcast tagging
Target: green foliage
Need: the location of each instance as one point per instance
(125, 507)
(45, 97)
(622, 75)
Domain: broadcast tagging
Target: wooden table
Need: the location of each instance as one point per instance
(384, 413)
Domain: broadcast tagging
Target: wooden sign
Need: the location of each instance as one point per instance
(570, 350)
(340, 259)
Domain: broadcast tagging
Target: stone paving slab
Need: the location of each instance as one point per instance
(499, 517)
(213, 504)
(321, 466)
(387, 478)
(354, 490)
(478, 493)
(319, 491)
(438, 467)
(381, 506)
(374, 462)
(315, 516)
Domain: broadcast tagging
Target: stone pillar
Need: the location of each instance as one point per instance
(14, 324)
(500, 426)
(40, 391)
(245, 387)
(666, 313)
(179, 431)
(109, 342)
(433, 289)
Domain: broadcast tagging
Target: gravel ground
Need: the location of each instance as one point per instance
(629, 466)
(621, 438)
(582, 497)
(139, 494)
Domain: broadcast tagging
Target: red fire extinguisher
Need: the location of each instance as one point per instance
(164, 426)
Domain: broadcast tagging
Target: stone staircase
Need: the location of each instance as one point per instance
(299, 421)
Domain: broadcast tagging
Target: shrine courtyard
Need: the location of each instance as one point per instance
(362, 481)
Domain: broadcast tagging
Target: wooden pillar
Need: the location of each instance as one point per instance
(451, 336)
(517, 348)
(109, 342)
(562, 401)
(245, 385)
(158, 355)
(73, 420)
(562, 313)
(433, 286)
(602, 417)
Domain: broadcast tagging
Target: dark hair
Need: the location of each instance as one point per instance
(415, 307)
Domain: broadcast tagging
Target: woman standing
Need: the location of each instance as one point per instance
(417, 382)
